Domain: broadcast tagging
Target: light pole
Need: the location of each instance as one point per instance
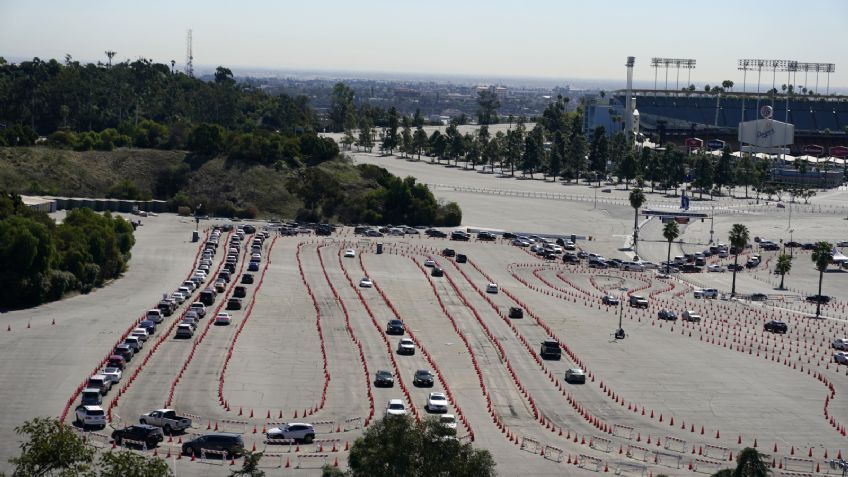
(792, 248)
(712, 218)
(619, 333)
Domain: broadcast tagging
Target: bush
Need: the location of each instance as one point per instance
(127, 190)
(184, 211)
(61, 282)
(449, 215)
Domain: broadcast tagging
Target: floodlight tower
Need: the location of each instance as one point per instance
(628, 105)
(189, 66)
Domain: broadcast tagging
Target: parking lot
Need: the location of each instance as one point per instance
(672, 397)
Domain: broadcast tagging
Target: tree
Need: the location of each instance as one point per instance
(488, 103)
(50, 447)
(637, 199)
(821, 258)
(599, 153)
(784, 264)
(749, 463)
(534, 150)
(224, 76)
(207, 139)
(739, 237)
(130, 464)
(406, 136)
(250, 466)
(391, 140)
(627, 168)
(419, 140)
(745, 172)
(341, 107)
(702, 173)
(670, 231)
(723, 171)
(400, 446)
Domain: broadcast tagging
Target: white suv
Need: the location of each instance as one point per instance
(297, 431)
(706, 293)
(198, 308)
(91, 416)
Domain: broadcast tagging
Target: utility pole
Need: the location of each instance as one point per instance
(712, 218)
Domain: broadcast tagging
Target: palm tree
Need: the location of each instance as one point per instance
(637, 199)
(784, 264)
(670, 232)
(821, 257)
(739, 237)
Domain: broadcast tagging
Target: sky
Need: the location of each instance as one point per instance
(545, 38)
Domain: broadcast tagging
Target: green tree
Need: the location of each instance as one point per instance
(488, 104)
(250, 466)
(599, 153)
(390, 142)
(341, 107)
(400, 446)
(784, 265)
(130, 464)
(534, 150)
(702, 172)
(627, 168)
(821, 258)
(637, 200)
(51, 448)
(207, 139)
(749, 463)
(724, 169)
(744, 173)
(419, 140)
(670, 231)
(739, 237)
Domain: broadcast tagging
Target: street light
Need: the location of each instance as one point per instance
(792, 248)
(712, 217)
(619, 333)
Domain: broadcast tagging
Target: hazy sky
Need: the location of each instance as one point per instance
(561, 39)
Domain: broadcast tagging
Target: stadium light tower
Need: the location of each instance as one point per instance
(676, 63)
(628, 104)
(827, 68)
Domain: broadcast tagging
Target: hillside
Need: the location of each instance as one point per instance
(334, 190)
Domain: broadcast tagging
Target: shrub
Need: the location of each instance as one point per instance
(184, 211)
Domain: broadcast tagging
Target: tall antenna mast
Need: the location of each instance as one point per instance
(189, 67)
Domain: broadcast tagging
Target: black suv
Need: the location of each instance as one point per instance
(460, 235)
(240, 291)
(448, 252)
(247, 278)
(437, 272)
(550, 350)
(231, 444)
(667, 315)
(435, 233)
(775, 326)
(488, 236)
(516, 312)
(423, 379)
(570, 257)
(234, 304)
(150, 435)
(394, 327)
(384, 379)
(461, 258)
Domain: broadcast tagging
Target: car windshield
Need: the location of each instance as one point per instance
(111, 370)
(437, 398)
(396, 406)
(447, 419)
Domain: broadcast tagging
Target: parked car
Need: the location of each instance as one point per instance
(460, 235)
(667, 315)
(759, 297)
(823, 299)
(706, 293)
(638, 301)
(516, 312)
(167, 419)
(126, 351)
(384, 378)
(435, 233)
(448, 252)
(101, 382)
(840, 357)
(350, 253)
(199, 308)
(366, 283)
(437, 402)
(395, 407)
(406, 346)
(487, 236)
(90, 416)
(394, 327)
(223, 318)
(423, 378)
(184, 331)
(492, 288)
(114, 373)
(609, 300)
(429, 262)
(437, 272)
(632, 267)
(598, 263)
(575, 375)
(692, 316)
(91, 397)
(775, 326)
(229, 443)
(840, 344)
(716, 267)
(448, 420)
(253, 266)
(151, 436)
(296, 431)
(116, 361)
(154, 315)
(550, 349)
(461, 258)
(234, 303)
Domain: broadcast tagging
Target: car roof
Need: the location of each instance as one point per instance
(395, 401)
(221, 434)
(299, 424)
(437, 394)
(92, 408)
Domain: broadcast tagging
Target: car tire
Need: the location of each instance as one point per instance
(309, 438)
(167, 430)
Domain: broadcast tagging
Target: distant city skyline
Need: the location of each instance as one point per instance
(548, 40)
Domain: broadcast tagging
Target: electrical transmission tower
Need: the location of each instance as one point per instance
(189, 66)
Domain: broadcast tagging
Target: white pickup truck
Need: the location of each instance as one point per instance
(167, 419)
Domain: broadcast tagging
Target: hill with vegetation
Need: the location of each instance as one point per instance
(140, 130)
